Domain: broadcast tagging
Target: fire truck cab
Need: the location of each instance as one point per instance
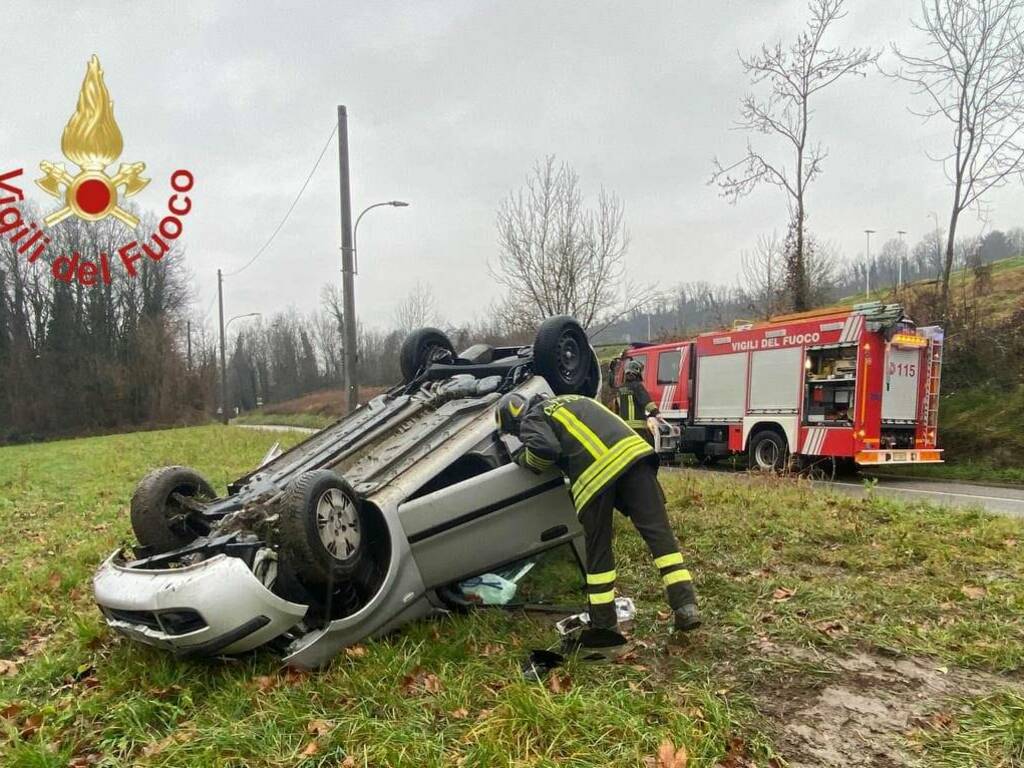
(813, 389)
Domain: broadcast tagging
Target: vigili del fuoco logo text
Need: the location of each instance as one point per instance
(92, 141)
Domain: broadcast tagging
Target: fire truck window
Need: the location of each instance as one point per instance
(830, 382)
(668, 366)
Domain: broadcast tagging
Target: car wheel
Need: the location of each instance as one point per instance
(592, 386)
(767, 452)
(321, 528)
(562, 355)
(423, 346)
(161, 518)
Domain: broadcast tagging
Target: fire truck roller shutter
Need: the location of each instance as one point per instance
(775, 380)
(721, 386)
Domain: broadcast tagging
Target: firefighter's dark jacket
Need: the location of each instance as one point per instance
(633, 404)
(589, 443)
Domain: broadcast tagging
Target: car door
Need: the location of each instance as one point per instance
(487, 521)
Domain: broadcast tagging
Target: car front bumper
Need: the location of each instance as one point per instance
(215, 606)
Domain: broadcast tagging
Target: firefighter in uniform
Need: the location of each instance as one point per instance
(608, 466)
(633, 404)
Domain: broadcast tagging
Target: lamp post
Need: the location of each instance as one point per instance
(355, 229)
(867, 265)
(350, 260)
(223, 365)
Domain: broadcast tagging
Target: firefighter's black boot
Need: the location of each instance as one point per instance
(687, 618)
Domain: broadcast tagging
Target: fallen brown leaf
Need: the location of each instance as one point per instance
(669, 756)
(348, 762)
(355, 651)
(782, 594)
(559, 682)
(420, 679)
(831, 628)
(973, 593)
(311, 749)
(460, 714)
(156, 747)
(8, 668)
(54, 581)
(10, 711)
(84, 761)
(318, 727)
(664, 615)
(30, 725)
(265, 683)
(483, 714)
(293, 676)
(490, 649)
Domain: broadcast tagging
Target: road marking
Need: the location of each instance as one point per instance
(934, 493)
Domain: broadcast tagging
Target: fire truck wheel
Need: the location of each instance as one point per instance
(767, 451)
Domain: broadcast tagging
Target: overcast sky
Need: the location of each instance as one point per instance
(450, 103)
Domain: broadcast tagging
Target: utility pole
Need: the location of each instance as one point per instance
(188, 335)
(867, 265)
(223, 357)
(347, 268)
(899, 270)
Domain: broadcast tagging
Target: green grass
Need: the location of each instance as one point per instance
(910, 579)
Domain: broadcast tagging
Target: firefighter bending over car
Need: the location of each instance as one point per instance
(633, 403)
(609, 466)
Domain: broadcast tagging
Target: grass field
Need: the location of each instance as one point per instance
(839, 631)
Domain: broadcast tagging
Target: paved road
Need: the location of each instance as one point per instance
(1006, 501)
(277, 428)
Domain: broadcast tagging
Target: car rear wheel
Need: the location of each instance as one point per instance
(767, 452)
(562, 355)
(422, 347)
(162, 509)
(321, 528)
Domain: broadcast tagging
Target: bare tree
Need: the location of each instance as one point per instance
(763, 278)
(972, 78)
(793, 75)
(417, 309)
(556, 255)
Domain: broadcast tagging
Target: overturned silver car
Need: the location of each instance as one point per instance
(360, 528)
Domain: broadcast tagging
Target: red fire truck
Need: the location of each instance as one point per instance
(813, 389)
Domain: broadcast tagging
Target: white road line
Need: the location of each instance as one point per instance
(898, 489)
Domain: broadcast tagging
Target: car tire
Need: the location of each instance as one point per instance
(562, 355)
(321, 528)
(160, 522)
(767, 452)
(423, 346)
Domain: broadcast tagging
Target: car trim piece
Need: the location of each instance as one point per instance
(215, 644)
(469, 517)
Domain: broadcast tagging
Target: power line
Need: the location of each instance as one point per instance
(291, 207)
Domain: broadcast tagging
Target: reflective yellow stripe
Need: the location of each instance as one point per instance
(676, 576)
(630, 409)
(597, 467)
(581, 432)
(666, 560)
(632, 448)
(599, 482)
(538, 462)
(607, 577)
(600, 598)
(637, 423)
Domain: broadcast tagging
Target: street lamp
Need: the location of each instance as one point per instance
(867, 265)
(223, 365)
(355, 229)
(350, 268)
